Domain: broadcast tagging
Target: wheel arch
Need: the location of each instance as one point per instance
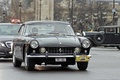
(92, 42)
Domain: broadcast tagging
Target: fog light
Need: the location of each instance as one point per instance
(77, 50)
(33, 51)
(42, 50)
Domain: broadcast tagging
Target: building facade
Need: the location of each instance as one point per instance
(44, 9)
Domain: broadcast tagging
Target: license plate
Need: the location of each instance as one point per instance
(82, 58)
(60, 59)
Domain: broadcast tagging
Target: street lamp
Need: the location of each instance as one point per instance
(20, 7)
(115, 17)
(95, 16)
(86, 17)
(70, 5)
(40, 9)
(72, 13)
(104, 17)
(4, 14)
(113, 10)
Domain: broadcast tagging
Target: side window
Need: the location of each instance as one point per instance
(110, 30)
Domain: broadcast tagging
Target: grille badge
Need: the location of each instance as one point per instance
(60, 50)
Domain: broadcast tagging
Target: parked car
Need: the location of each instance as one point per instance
(7, 32)
(50, 42)
(108, 36)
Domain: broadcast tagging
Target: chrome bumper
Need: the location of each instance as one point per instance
(78, 58)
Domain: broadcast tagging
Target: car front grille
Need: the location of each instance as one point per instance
(8, 44)
(60, 49)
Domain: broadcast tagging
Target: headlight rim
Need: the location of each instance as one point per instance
(84, 45)
(32, 46)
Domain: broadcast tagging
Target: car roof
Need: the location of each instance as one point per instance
(35, 22)
(8, 24)
(113, 26)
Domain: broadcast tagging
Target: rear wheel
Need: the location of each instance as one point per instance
(82, 65)
(29, 64)
(16, 62)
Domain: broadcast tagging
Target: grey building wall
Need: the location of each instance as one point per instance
(44, 9)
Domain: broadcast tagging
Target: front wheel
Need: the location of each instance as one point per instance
(29, 65)
(82, 65)
(118, 47)
(99, 39)
(16, 62)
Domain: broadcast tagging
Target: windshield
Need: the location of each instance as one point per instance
(9, 29)
(50, 28)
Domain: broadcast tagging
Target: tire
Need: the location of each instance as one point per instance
(118, 47)
(64, 65)
(16, 62)
(99, 39)
(82, 65)
(29, 65)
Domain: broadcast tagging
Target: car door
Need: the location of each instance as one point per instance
(117, 35)
(19, 43)
(110, 36)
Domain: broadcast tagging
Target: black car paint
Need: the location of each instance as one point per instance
(5, 38)
(5, 50)
(50, 41)
(58, 41)
(21, 45)
(108, 39)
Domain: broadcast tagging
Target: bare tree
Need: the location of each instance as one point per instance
(4, 7)
(14, 9)
(57, 10)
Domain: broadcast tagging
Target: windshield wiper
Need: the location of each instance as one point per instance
(54, 33)
(69, 35)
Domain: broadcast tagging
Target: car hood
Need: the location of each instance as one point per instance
(59, 41)
(6, 38)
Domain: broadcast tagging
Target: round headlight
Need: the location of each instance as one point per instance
(34, 44)
(2, 44)
(77, 50)
(86, 43)
(42, 50)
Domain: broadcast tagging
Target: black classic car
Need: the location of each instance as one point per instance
(108, 36)
(49, 42)
(7, 32)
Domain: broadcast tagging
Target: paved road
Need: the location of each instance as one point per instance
(104, 65)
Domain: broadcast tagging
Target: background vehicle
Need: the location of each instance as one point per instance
(96, 38)
(7, 32)
(108, 36)
(50, 42)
